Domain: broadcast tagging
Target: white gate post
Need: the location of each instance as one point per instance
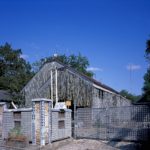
(41, 120)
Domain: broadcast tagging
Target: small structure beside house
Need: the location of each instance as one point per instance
(5, 96)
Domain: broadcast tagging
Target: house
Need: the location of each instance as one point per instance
(5, 96)
(61, 83)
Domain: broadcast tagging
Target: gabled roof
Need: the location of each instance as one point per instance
(87, 77)
(93, 81)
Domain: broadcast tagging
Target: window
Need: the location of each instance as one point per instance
(17, 119)
(100, 94)
(17, 124)
(61, 124)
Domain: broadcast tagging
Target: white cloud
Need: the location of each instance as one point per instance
(24, 56)
(94, 69)
(133, 67)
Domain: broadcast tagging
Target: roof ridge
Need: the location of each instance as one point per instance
(89, 78)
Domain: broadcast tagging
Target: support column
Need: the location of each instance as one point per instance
(41, 121)
(33, 124)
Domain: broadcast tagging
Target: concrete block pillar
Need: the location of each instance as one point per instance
(41, 121)
(2, 108)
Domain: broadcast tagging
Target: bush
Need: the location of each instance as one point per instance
(16, 134)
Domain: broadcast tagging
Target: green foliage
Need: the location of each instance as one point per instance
(78, 62)
(130, 96)
(16, 134)
(147, 51)
(15, 72)
(146, 87)
(16, 131)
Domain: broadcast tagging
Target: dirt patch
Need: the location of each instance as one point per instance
(81, 144)
(84, 144)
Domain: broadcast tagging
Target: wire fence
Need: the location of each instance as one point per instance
(129, 123)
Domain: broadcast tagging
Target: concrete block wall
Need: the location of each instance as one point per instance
(64, 132)
(26, 124)
(2, 107)
(52, 130)
(8, 123)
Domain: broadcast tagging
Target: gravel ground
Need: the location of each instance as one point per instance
(84, 144)
(81, 144)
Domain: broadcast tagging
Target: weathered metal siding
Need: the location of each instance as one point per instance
(106, 99)
(71, 86)
(39, 85)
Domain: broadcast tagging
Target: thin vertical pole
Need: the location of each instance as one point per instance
(52, 87)
(56, 85)
(33, 124)
(75, 119)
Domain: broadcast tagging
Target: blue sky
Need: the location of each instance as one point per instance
(110, 33)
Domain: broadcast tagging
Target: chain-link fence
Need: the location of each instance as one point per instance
(131, 123)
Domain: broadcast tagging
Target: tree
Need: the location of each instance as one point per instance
(130, 96)
(15, 72)
(146, 87)
(78, 62)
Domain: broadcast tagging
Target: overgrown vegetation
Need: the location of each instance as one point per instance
(15, 71)
(78, 62)
(146, 87)
(16, 134)
(130, 96)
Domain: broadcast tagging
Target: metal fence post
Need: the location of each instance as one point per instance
(75, 119)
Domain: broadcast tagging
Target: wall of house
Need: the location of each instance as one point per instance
(39, 85)
(71, 86)
(103, 99)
